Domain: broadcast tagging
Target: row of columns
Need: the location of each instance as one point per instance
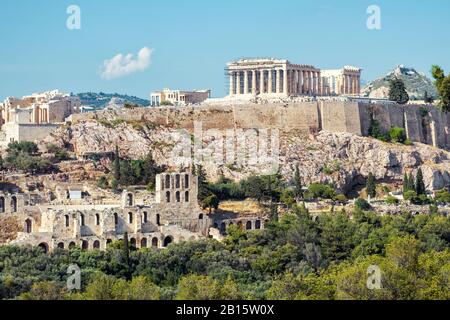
(289, 82)
(40, 115)
(351, 84)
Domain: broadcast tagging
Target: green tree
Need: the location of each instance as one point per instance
(211, 202)
(197, 287)
(420, 184)
(298, 186)
(117, 164)
(102, 182)
(442, 84)
(126, 173)
(371, 185)
(203, 187)
(397, 91)
(46, 290)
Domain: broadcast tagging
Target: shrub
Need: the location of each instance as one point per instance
(362, 204)
(397, 135)
(392, 200)
(319, 190)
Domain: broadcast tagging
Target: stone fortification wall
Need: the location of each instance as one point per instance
(424, 124)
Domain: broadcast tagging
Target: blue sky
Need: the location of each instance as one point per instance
(193, 40)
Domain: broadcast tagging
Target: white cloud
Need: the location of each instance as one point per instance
(121, 65)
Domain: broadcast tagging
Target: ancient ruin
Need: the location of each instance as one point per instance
(275, 77)
(69, 221)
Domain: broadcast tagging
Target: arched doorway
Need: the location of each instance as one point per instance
(257, 224)
(248, 225)
(28, 226)
(144, 243)
(133, 243)
(14, 204)
(44, 247)
(61, 245)
(85, 245)
(72, 245)
(155, 242)
(167, 240)
(96, 244)
(130, 200)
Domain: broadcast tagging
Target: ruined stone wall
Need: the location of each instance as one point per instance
(424, 124)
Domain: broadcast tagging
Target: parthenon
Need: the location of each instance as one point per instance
(282, 78)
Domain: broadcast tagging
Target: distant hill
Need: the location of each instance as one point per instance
(101, 100)
(416, 84)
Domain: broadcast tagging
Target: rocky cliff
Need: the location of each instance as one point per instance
(344, 159)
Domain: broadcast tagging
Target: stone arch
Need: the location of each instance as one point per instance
(155, 242)
(72, 245)
(167, 181)
(239, 224)
(13, 204)
(178, 196)
(177, 181)
(130, 199)
(96, 244)
(28, 226)
(130, 217)
(145, 217)
(133, 242)
(248, 225)
(44, 246)
(258, 224)
(108, 241)
(186, 196)
(181, 239)
(167, 196)
(2, 204)
(144, 243)
(167, 240)
(61, 245)
(85, 245)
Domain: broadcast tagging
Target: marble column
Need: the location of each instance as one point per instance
(232, 82)
(269, 81)
(277, 80)
(320, 92)
(300, 82)
(254, 82)
(261, 82)
(245, 82)
(285, 82)
(238, 82)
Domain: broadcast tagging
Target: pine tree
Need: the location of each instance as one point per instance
(126, 173)
(397, 91)
(405, 183)
(203, 189)
(411, 186)
(371, 186)
(420, 185)
(126, 253)
(298, 191)
(117, 164)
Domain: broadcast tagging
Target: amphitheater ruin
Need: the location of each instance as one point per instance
(174, 216)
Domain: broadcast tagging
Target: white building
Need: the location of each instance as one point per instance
(179, 97)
